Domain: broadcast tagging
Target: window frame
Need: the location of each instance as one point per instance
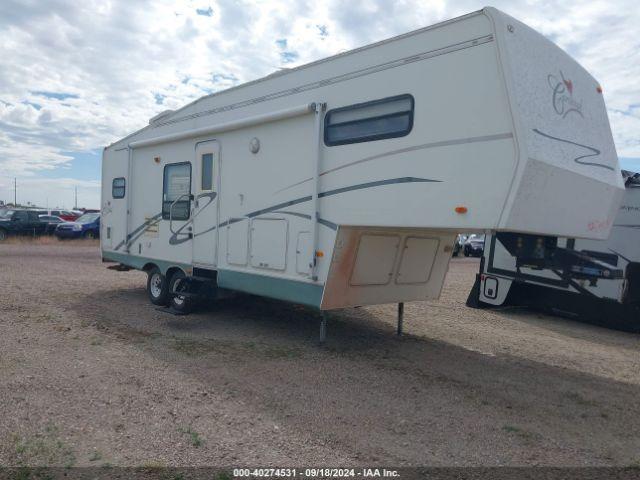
(370, 138)
(165, 216)
(124, 189)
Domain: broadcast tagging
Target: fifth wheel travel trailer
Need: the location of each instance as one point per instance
(603, 288)
(344, 182)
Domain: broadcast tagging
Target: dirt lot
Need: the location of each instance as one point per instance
(92, 374)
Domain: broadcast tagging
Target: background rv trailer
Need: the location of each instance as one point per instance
(611, 299)
(344, 182)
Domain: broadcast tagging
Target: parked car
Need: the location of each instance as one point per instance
(20, 222)
(66, 215)
(87, 226)
(459, 243)
(52, 222)
(474, 245)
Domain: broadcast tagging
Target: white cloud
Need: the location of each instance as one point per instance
(117, 63)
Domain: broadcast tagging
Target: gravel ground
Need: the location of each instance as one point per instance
(92, 374)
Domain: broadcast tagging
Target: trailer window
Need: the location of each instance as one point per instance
(364, 122)
(118, 187)
(176, 191)
(207, 171)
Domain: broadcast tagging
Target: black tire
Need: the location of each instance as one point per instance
(179, 302)
(157, 287)
(3, 235)
(466, 252)
(90, 235)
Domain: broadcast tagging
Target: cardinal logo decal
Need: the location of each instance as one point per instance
(562, 98)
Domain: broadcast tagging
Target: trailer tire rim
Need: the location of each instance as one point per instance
(155, 285)
(177, 298)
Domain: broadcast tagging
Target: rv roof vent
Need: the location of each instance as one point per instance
(160, 116)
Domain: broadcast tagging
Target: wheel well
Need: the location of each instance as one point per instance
(171, 271)
(148, 267)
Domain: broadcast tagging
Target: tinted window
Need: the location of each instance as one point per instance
(365, 122)
(88, 218)
(118, 187)
(207, 171)
(33, 216)
(21, 215)
(176, 187)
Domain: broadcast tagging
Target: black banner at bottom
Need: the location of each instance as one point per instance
(278, 473)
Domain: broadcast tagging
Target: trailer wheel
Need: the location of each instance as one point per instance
(157, 287)
(180, 303)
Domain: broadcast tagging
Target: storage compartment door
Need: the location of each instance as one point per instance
(269, 243)
(418, 256)
(375, 260)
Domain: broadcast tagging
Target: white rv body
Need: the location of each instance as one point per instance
(504, 132)
(499, 275)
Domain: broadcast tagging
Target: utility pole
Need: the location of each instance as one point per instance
(76, 199)
(15, 192)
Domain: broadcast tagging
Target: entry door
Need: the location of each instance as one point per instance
(205, 205)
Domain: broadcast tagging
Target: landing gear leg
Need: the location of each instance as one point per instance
(400, 318)
(323, 328)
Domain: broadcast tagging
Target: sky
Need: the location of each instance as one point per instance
(78, 75)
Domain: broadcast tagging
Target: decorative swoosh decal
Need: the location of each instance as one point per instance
(595, 151)
(413, 148)
(174, 240)
(140, 230)
(328, 193)
(321, 221)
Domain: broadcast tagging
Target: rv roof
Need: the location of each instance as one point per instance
(287, 71)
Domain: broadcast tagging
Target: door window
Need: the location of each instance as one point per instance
(118, 187)
(207, 171)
